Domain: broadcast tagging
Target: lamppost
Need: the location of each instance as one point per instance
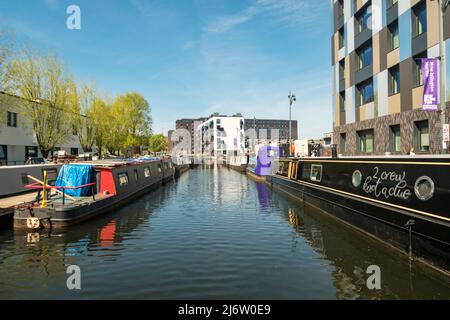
(443, 4)
(292, 98)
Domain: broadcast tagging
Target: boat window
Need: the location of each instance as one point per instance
(136, 177)
(123, 179)
(356, 178)
(424, 188)
(146, 172)
(283, 168)
(159, 167)
(316, 173)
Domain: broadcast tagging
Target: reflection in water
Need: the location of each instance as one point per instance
(208, 235)
(263, 195)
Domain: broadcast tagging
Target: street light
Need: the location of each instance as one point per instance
(443, 4)
(292, 98)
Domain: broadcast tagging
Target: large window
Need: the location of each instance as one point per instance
(417, 69)
(11, 119)
(363, 19)
(3, 152)
(364, 55)
(341, 38)
(394, 80)
(395, 139)
(74, 151)
(342, 69)
(343, 142)
(422, 136)
(342, 101)
(364, 92)
(393, 35)
(365, 141)
(419, 13)
(340, 8)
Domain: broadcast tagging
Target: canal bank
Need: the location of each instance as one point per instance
(213, 234)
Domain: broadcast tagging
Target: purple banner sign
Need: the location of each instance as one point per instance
(430, 84)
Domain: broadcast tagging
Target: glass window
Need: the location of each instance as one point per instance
(417, 69)
(316, 173)
(3, 152)
(420, 19)
(146, 172)
(123, 179)
(342, 101)
(422, 136)
(341, 38)
(366, 141)
(12, 119)
(365, 92)
(394, 80)
(393, 36)
(74, 151)
(340, 8)
(341, 69)
(390, 3)
(364, 55)
(363, 19)
(396, 142)
(343, 142)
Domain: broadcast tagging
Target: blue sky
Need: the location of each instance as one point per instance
(191, 58)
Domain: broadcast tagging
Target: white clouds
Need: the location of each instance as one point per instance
(290, 12)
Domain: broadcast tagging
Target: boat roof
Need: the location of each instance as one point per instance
(111, 163)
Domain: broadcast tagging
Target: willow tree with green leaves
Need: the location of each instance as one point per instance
(130, 122)
(47, 89)
(84, 99)
(99, 116)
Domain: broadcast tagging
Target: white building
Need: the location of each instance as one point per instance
(17, 140)
(222, 135)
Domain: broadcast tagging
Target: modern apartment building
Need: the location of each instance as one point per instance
(377, 81)
(264, 129)
(191, 126)
(222, 135)
(17, 140)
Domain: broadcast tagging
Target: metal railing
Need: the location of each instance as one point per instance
(40, 187)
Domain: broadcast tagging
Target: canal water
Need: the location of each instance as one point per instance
(213, 234)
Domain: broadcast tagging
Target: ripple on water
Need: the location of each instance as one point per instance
(211, 235)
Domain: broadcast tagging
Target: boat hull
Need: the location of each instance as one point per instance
(427, 240)
(255, 177)
(63, 217)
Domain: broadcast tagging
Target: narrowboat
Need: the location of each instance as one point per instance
(402, 201)
(86, 189)
(264, 164)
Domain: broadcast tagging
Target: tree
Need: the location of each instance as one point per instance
(45, 83)
(158, 143)
(84, 99)
(99, 116)
(5, 52)
(130, 122)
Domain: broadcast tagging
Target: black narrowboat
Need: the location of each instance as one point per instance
(110, 185)
(402, 201)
